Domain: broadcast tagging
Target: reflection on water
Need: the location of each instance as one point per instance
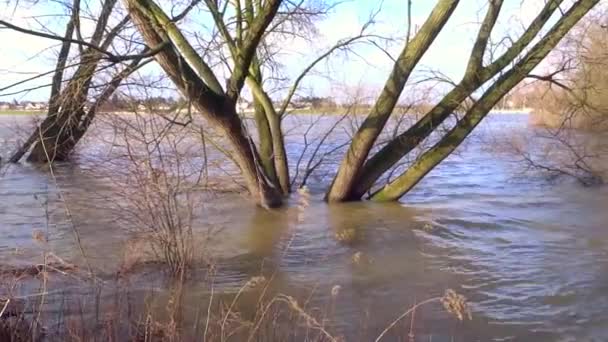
(532, 258)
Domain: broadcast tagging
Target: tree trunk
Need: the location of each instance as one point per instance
(475, 76)
(265, 138)
(364, 139)
(246, 156)
(217, 107)
(403, 144)
(430, 159)
(276, 135)
(55, 138)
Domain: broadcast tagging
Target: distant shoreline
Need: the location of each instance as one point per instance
(22, 112)
(523, 111)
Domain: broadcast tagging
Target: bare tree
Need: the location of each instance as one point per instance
(357, 174)
(569, 105)
(237, 45)
(71, 109)
(573, 94)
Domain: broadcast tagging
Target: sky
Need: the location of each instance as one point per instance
(364, 70)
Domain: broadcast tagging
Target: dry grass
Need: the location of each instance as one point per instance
(279, 317)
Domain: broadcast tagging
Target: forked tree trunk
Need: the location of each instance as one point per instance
(505, 83)
(218, 109)
(265, 138)
(363, 141)
(247, 157)
(475, 76)
(276, 138)
(59, 140)
(55, 138)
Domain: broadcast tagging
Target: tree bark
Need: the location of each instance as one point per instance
(54, 137)
(265, 138)
(245, 153)
(276, 135)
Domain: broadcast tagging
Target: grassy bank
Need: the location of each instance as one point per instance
(22, 112)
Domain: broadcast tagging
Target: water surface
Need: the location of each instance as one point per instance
(532, 257)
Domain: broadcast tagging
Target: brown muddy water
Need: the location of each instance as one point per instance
(531, 256)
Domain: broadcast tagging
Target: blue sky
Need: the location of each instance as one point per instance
(22, 56)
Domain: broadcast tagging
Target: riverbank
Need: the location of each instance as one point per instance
(522, 111)
(365, 111)
(582, 121)
(324, 111)
(22, 112)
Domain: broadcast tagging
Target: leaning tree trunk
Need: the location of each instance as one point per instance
(475, 76)
(54, 139)
(86, 117)
(55, 96)
(505, 83)
(58, 134)
(51, 140)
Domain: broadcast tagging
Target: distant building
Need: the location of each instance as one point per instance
(34, 106)
(313, 102)
(243, 105)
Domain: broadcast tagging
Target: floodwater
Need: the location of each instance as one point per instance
(530, 256)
